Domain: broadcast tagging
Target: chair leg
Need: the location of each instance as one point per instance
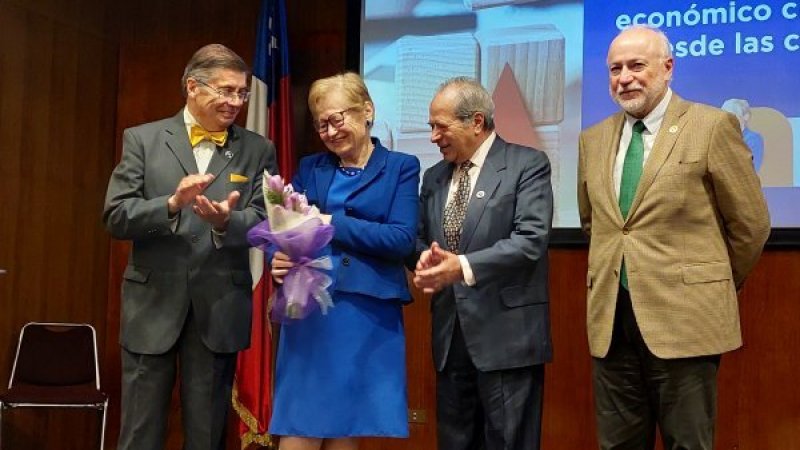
(102, 427)
(2, 408)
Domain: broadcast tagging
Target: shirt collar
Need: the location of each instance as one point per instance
(188, 118)
(479, 157)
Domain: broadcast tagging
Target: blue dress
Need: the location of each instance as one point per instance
(342, 374)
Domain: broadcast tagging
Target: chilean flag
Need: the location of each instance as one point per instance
(270, 109)
(269, 114)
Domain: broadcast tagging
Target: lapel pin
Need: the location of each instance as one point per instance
(480, 194)
(673, 129)
(228, 154)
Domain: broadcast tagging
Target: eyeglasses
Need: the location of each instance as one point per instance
(335, 119)
(227, 94)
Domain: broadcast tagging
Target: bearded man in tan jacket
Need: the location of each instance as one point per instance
(676, 220)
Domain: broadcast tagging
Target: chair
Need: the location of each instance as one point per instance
(56, 366)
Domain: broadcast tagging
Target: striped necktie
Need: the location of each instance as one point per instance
(457, 208)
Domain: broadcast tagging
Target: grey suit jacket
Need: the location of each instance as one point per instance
(169, 270)
(505, 316)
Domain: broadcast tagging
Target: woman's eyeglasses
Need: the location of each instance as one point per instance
(335, 119)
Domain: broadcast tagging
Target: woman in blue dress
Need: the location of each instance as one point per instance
(342, 375)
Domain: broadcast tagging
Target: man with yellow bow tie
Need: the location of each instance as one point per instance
(186, 191)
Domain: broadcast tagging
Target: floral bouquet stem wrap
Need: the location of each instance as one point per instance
(295, 228)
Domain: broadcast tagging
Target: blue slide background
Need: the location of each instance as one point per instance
(768, 78)
(765, 79)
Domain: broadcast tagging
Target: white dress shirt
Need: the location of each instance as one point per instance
(204, 150)
(478, 159)
(652, 123)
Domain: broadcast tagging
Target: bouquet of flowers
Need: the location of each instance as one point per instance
(295, 228)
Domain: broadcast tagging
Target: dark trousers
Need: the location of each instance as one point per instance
(635, 391)
(205, 387)
(497, 410)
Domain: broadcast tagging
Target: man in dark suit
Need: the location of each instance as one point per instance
(676, 220)
(485, 218)
(185, 193)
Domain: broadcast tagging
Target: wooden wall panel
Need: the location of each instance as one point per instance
(568, 422)
(760, 383)
(317, 41)
(57, 96)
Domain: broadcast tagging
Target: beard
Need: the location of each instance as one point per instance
(642, 104)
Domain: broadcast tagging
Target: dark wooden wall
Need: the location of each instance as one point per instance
(73, 76)
(58, 88)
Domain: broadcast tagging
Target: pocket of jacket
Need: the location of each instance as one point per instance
(516, 296)
(236, 186)
(706, 273)
(137, 274)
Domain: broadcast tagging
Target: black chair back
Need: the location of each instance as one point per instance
(55, 355)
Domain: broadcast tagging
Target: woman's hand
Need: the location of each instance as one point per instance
(280, 266)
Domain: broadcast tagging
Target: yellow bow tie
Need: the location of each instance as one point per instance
(198, 134)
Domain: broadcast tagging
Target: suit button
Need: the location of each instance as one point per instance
(345, 261)
(626, 230)
(195, 239)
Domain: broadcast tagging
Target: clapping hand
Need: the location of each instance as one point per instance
(216, 213)
(436, 269)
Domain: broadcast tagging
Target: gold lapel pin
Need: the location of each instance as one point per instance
(673, 129)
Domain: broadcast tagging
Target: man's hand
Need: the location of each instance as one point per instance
(188, 189)
(280, 266)
(216, 213)
(436, 269)
(427, 259)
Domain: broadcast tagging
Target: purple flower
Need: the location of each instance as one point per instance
(275, 183)
(302, 204)
(287, 202)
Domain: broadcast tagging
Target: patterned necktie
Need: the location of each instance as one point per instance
(631, 173)
(198, 134)
(457, 208)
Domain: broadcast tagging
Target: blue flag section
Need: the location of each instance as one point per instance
(271, 66)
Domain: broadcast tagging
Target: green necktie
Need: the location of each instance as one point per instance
(631, 172)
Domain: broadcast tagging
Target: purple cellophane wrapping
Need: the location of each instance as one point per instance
(305, 285)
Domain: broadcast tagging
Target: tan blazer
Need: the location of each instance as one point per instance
(696, 228)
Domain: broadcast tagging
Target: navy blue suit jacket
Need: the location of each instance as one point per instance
(378, 227)
(505, 317)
